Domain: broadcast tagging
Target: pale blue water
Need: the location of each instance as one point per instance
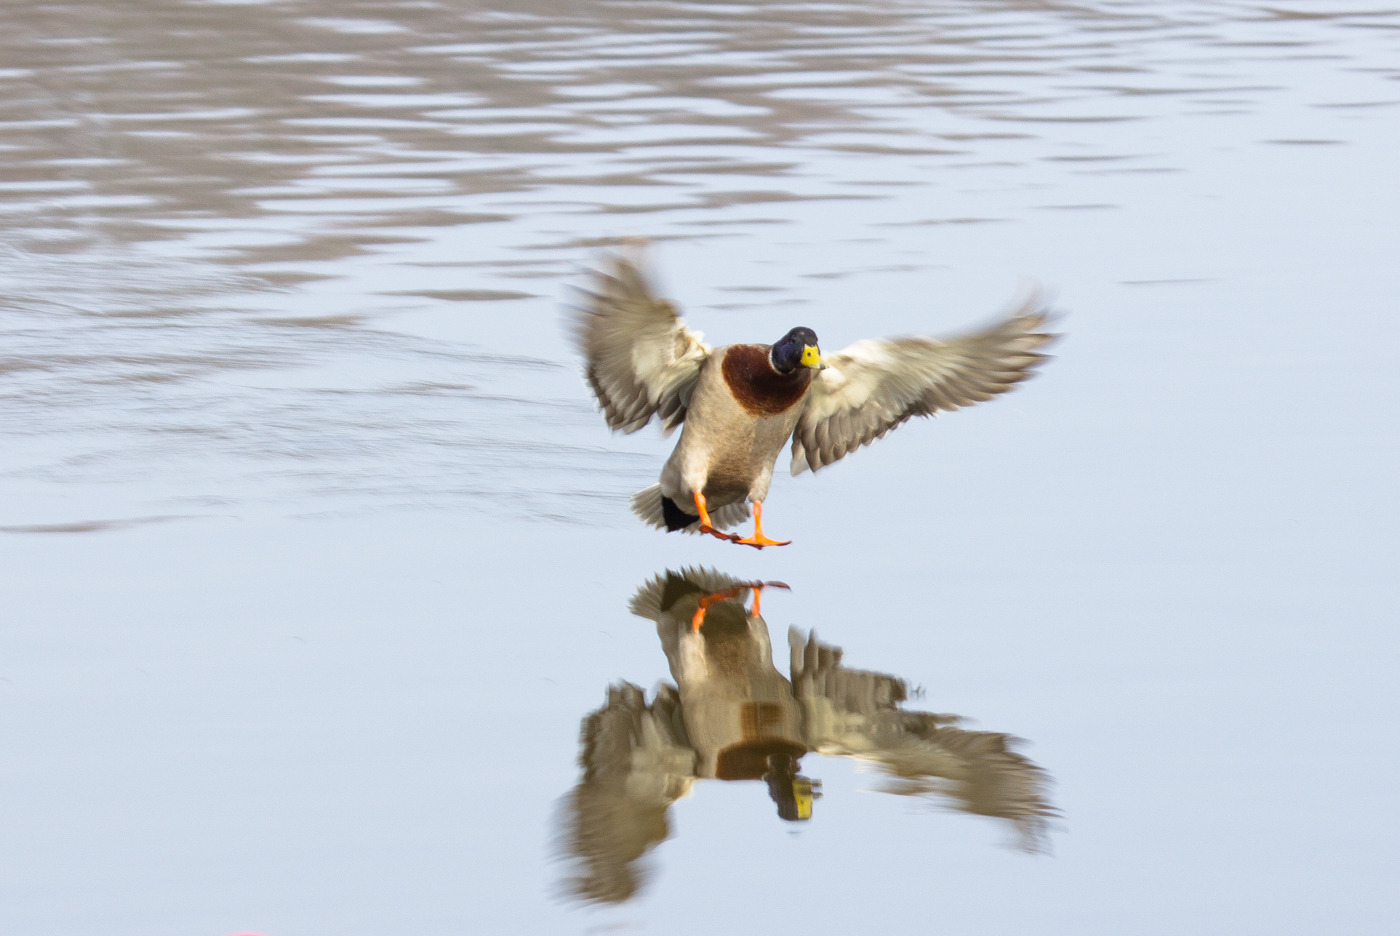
(316, 553)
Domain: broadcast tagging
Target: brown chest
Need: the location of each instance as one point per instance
(756, 387)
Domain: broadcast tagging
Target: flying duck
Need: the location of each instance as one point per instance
(739, 404)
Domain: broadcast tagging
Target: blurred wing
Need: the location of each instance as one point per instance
(635, 764)
(855, 713)
(874, 386)
(978, 772)
(641, 359)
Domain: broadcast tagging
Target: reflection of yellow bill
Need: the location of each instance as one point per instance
(802, 793)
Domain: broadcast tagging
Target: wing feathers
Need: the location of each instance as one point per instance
(875, 386)
(641, 360)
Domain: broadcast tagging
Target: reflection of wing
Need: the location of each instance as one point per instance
(636, 762)
(641, 359)
(874, 386)
(856, 714)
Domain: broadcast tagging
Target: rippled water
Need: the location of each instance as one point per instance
(340, 553)
(310, 253)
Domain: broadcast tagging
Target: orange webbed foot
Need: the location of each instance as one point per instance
(758, 540)
(731, 537)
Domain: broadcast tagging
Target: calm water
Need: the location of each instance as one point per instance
(316, 554)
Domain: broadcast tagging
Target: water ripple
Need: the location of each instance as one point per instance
(213, 213)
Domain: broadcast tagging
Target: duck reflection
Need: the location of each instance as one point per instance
(732, 716)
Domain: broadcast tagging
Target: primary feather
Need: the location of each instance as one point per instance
(875, 386)
(642, 360)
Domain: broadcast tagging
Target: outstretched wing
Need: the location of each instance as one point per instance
(641, 359)
(855, 713)
(875, 386)
(636, 763)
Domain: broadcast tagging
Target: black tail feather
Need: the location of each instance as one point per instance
(676, 519)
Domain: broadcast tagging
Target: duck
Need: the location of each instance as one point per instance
(739, 404)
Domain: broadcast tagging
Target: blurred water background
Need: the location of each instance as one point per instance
(316, 552)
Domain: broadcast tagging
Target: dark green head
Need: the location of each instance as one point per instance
(798, 348)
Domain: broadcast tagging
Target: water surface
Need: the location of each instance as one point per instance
(316, 552)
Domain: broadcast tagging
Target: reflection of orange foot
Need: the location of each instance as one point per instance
(758, 540)
(758, 588)
(728, 595)
(712, 598)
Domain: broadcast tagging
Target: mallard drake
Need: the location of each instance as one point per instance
(739, 404)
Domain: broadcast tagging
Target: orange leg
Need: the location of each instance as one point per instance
(758, 540)
(705, 526)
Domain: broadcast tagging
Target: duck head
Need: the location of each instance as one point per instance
(798, 348)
